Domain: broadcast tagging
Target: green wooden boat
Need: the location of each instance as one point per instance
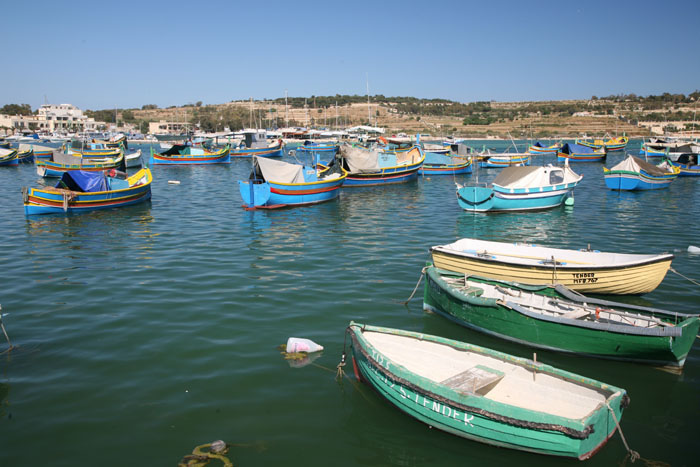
(485, 395)
(560, 319)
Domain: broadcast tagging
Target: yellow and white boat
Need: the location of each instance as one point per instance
(582, 270)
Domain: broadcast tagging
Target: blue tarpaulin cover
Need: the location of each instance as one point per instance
(81, 180)
(571, 148)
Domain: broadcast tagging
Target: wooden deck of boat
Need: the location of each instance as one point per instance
(518, 387)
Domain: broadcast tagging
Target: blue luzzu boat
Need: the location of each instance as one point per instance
(635, 174)
(367, 167)
(180, 154)
(256, 144)
(276, 184)
(579, 153)
(443, 164)
(688, 165)
(61, 163)
(25, 156)
(80, 191)
(521, 189)
(40, 152)
(8, 157)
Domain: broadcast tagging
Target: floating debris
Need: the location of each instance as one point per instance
(174, 182)
(694, 250)
(201, 457)
(298, 344)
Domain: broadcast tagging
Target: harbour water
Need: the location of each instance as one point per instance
(145, 331)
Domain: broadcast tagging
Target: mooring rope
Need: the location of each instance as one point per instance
(422, 273)
(634, 455)
(684, 277)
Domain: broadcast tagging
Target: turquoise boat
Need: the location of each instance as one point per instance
(367, 167)
(40, 152)
(487, 396)
(521, 189)
(579, 153)
(635, 174)
(81, 191)
(276, 184)
(556, 318)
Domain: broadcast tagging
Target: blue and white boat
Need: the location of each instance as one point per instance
(276, 184)
(688, 165)
(634, 173)
(255, 143)
(579, 153)
(521, 189)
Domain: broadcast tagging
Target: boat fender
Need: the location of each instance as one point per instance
(597, 313)
(298, 344)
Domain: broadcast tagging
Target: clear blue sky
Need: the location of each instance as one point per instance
(99, 55)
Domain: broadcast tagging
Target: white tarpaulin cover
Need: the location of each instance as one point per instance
(635, 164)
(360, 160)
(280, 171)
(535, 176)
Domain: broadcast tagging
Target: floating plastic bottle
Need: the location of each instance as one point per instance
(298, 344)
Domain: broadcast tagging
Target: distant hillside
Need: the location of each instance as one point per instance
(592, 117)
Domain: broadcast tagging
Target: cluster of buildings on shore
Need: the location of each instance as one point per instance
(63, 118)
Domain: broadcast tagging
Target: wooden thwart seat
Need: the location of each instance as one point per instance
(478, 378)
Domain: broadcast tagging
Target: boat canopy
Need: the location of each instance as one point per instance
(278, 171)
(83, 181)
(360, 160)
(535, 176)
(635, 164)
(175, 150)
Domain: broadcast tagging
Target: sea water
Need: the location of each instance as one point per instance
(145, 331)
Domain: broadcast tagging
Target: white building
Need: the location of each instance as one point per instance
(62, 118)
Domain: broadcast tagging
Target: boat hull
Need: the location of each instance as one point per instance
(560, 334)
(277, 195)
(627, 181)
(218, 157)
(481, 199)
(476, 419)
(498, 162)
(634, 279)
(454, 169)
(275, 151)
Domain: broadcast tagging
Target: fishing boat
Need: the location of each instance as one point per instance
(255, 143)
(40, 152)
(61, 162)
(557, 318)
(8, 157)
(611, 144)
(80, 191)
(318, 147)
(276, 184)
(521, 189)
(25, 156)
(687, 165)
(445, 164)
(368, 167)
(635, 174)
(585, 270)
(542, 148)
(668, 147)
(181, 154)
(487, 396)
(579, 153)
(491, 160)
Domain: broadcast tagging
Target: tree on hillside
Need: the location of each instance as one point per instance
(16, 109)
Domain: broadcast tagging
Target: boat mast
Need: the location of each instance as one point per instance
(369, 118)
(286, 118)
